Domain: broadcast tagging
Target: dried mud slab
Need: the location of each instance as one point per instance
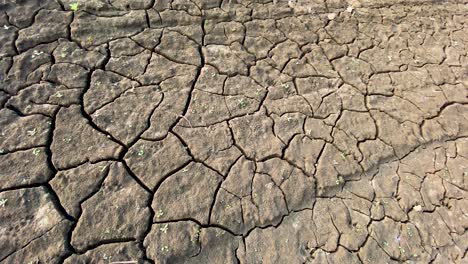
(20, 133)
(31, 224)
(118, 252)
(322, 131)
(77, 140)
(117, 212)
(24, 168)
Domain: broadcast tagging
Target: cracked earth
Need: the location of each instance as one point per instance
(217, 131)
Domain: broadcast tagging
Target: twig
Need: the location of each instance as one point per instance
(181, 116)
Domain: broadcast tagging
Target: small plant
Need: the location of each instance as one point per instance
(340, 180)
(204, 106)
(258, 92)
(107, 231)
(58, 94)
(31, 132)
(343, 156)
(164, 228)
(242, 103)
(285, 87)
(196, 235)
(164, 249)
(67, 140)
(74, 7)
(141, 152)
(402, 250)
(105, 257)
(3, 202)
(408, 231)
(159, 213)
(36, 152)
(37, 53)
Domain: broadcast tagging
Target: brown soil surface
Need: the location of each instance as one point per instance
(217, 131)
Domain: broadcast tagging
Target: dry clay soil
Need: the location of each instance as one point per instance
(190, 131)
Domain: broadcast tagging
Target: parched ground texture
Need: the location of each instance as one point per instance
(190, 131)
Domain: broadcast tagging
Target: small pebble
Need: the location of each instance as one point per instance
(331, 16)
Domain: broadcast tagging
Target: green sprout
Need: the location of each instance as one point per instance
(258, 92)
(408, 231)
(105, 257)
(58, 94)
(340, 180)
(31, 132)
(402, 250)
(343, 156)
(36, 152)
(159, 213)
(74, 6)
(141, 152)
(164, 249)
(164, 228)
(196, 236)
(242, 103)
(3, 202)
